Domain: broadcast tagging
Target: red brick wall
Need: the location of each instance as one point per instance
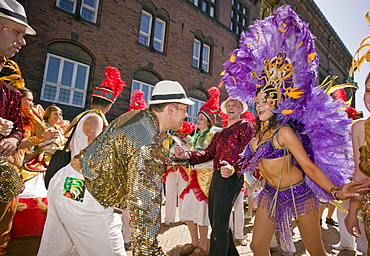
(114, 43)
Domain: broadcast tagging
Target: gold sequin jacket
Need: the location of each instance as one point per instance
(365, 150)
(129, 150)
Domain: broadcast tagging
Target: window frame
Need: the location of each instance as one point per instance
(58, 85)
(163, 32)
(209, 6)
(193, 110)
(237, 25)
(196, 58)
(78, 7)
(143, 33)
(147, 95)
(205, 46)
(152, 40)
(200, 60)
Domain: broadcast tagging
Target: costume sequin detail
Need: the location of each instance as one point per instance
(10, 182)
(10, 109)
(226, 145)
(125, 164)
(364, 208)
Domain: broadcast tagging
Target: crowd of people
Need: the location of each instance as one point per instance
(296, 152)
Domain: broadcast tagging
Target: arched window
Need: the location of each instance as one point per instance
(199, 96)
(153, 27)
(66, 75)
(202, 52)
(145, 80)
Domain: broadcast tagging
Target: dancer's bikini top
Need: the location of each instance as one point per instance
(270, 151)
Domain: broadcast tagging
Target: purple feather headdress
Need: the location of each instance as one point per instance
(280, 34)
(279, 52)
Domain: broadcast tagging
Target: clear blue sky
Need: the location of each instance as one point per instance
(348, 20)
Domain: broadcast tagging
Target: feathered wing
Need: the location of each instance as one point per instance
(319, 120)
(325, 134)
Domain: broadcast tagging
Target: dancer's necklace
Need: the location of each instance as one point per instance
(264, 128)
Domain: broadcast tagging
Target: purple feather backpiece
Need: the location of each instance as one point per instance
(317, 118)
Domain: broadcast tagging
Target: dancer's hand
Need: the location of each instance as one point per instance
(354, 188)
(8, 146)
(50, 134)
(6, 127)
(351, 223)
(180, 152)
(226, 169)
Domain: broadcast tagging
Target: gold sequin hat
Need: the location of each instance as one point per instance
(169, 92)
(14, 11)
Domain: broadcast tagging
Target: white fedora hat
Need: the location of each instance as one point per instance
(14, 11)
(169, 91)
(223, 105)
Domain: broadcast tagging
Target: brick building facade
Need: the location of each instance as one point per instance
(148, 41)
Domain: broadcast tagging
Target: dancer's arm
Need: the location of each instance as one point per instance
(288, 138)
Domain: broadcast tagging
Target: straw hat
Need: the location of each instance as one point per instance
(169, 92)
(14, 11)
(223, 105)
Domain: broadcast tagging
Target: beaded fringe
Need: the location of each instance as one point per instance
(287, 208)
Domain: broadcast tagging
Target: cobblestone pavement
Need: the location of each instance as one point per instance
(173, 238)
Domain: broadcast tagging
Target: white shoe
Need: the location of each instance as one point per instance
(167, 223)
(342, 248)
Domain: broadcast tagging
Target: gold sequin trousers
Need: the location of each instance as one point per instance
(364, 207)
(10, 182)
(144, 204)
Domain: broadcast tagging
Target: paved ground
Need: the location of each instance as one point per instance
(174, 237)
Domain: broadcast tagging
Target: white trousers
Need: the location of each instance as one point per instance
(175, 184)
(346, 239)
(35, 187)
(237, 217)
(86, 225)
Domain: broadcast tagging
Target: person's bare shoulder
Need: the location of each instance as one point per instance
(92, 121)
(286, 135)
(92, 126)
(358, 125)
(286, 131)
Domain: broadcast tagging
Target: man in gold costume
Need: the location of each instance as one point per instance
(123, 165)
(361, 153)
(361, 150)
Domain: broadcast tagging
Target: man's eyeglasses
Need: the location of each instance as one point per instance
(16, 31)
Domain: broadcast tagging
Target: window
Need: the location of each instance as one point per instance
(201, 55)
(86, 9)
(207, 6)
(205, 57)
(65, 81)
(193, 110)
(146, 88)
(146, 37)
(239, 17)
